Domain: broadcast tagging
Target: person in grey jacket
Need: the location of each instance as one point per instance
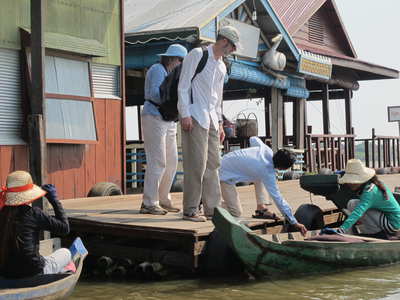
(159, 137)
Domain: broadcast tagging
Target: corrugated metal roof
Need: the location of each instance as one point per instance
(155, 15)
(295, 13)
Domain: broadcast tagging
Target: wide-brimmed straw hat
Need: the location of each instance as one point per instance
(356, 173)
(20, 189)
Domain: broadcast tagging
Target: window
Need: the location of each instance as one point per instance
(106, 81)
(70, 120)
(69, 107)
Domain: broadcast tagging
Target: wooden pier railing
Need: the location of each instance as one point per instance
(381, 151)
(328, 151)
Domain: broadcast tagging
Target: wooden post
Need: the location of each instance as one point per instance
(333, 152)
(318, 157)
(267, 110)
(373, 147)
(353, 144)
(349, 120)
(123, 96)
(366, 151)
(285, 140)
(36, 121)
(339, 162)
(277, 119)
(398, 153)
(379, 154)
(299, 106)
(325, 109)
(139, 123)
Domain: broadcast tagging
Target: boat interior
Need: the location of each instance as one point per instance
(314, 236)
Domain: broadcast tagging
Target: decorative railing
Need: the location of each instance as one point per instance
(381, 151)
(329, 151)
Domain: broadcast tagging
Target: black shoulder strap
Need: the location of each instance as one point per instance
(200, 67)
(202, 63)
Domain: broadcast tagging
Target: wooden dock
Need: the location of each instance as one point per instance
(112, 226)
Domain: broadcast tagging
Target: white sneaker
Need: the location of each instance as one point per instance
(194, 218)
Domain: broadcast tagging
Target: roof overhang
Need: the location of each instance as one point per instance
(364, 70)
(174, 34)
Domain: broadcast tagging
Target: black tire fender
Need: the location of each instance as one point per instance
(104, 189)
(311, 216)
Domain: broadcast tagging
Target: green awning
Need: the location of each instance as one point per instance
(72, 44)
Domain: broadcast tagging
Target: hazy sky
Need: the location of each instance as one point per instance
(373, 29)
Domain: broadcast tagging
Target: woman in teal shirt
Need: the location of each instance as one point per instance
(376, 210)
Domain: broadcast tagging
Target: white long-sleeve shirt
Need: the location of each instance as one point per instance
(207, 88)
(255, 164)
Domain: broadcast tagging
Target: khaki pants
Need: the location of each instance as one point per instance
(232, 201)
(161, 157)
(201, 161)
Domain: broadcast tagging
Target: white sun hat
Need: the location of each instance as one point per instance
(230, 33)
(20, 189)
(175, 50)
(356, 173)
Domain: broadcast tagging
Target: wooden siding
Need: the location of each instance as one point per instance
(12, 158)
(322, 34)
(90, 19)
(74, 169)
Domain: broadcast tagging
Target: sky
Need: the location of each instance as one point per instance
(373, 29)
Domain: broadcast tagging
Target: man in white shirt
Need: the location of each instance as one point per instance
(256, 164)
(200, 110)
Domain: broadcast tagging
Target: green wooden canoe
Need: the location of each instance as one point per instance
(290, 253)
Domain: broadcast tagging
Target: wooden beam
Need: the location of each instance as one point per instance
(348, 112)
(36, 121)
(277, 119)
(136, 73)
(325, 109)
(333, 95)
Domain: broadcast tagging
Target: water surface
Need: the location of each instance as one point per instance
(367, 284)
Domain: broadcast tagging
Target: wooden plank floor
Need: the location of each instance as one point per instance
(123, 211)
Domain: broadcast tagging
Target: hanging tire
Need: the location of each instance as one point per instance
(104, 189)
(311, 216)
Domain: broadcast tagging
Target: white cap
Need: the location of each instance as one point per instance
(230, 33)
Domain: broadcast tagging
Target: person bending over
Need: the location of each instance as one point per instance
(256, 164)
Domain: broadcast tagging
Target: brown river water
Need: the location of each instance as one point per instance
(367, 284)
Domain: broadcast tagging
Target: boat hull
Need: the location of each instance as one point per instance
(49, 287)
(262, 257)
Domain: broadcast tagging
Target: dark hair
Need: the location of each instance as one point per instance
(283, 159)
(378, 183)
(221, 37)
(167, 60)
(8, 238)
